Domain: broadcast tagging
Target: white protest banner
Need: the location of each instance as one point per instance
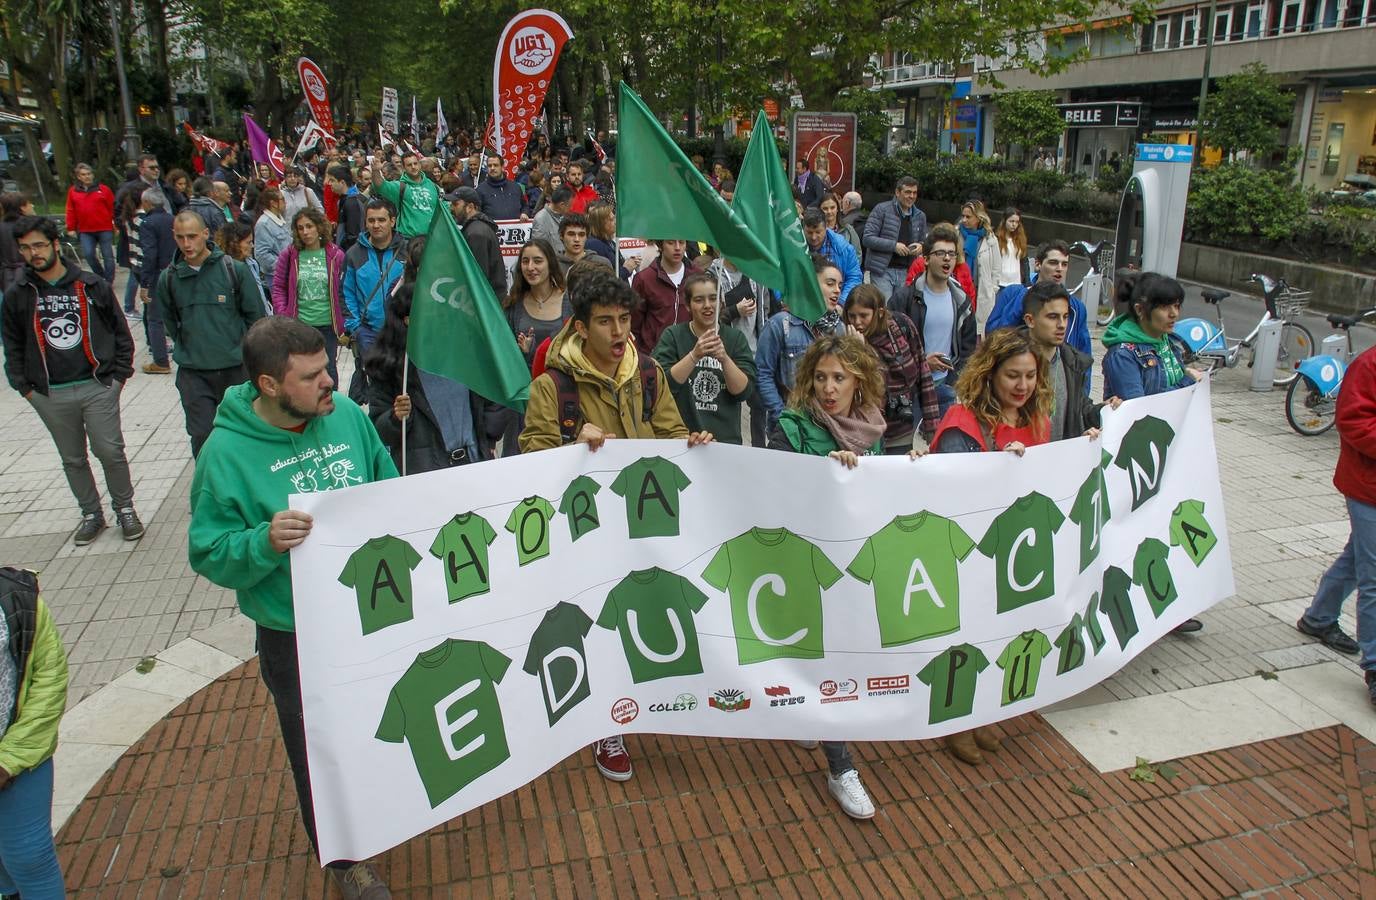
(461, 632)
(512, 235)
(389, 110)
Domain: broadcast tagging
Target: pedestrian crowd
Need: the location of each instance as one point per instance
(937, 338)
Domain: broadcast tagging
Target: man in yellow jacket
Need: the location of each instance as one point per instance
(597, 385)
(33, 695)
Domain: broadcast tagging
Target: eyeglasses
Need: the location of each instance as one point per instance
(34, 248)
(943, 254)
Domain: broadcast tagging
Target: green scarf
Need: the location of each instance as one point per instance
(1126, 330)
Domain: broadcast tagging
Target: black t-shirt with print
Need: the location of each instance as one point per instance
(63, 319)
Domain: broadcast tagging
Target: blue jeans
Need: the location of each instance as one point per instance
(945, 394)
(131, 292)
(1354, 569)
(155, 331)
(28, 859)
(105, 239)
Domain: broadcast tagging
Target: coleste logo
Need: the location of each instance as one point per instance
(681, 703)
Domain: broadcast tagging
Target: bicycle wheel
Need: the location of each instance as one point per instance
(1296, 345)
(1307, 410)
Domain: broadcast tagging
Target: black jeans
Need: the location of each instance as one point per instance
(201, 391)
(278, 665)
(331, 351)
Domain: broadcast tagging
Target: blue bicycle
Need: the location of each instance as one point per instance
(1311, 403)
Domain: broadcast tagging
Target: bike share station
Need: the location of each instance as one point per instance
(1151, 219)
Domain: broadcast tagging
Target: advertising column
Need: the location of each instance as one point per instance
(827, 141)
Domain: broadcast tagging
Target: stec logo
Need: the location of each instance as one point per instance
(625, 710)
(839, 691)
(880, 685)
(782, 696)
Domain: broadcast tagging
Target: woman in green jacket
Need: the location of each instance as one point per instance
(33, 695)
(833, 411)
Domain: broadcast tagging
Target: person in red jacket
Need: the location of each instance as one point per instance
(1355, 567)
(583, 192)
(91, 217)
(659, 287)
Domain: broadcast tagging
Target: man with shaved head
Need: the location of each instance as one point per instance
(208, 301)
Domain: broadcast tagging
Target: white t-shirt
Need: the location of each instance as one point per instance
(1011, 270)
(677, 277)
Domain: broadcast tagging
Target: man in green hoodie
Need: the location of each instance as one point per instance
(283, 431)
(415, 196)
(208, 301)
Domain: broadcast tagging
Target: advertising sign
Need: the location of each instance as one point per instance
(827, 141)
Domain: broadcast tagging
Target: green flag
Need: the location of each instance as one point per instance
(660, 195)
(457, 326)
(764, 201)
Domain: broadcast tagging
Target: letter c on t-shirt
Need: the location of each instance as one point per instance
(448, 729)
(752, 607)
(1026, 536)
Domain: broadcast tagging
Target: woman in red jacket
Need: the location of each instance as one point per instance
(91, 216)
(306, 282)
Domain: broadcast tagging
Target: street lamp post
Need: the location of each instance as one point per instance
(131, 135)
(1204, 84)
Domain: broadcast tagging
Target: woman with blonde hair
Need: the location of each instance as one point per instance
(1001, 261)
(1003, 402)
(834, 410)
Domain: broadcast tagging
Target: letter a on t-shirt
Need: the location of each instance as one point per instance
(380, 574)
(651, 487)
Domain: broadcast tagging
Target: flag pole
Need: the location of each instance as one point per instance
(405, 377)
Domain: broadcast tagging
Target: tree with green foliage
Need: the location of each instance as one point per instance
(1244, 112)
(1028, 119)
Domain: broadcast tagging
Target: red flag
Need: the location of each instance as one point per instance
(317, 91)
(521, 74)
(202, 143)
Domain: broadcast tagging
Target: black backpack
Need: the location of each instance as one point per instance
(570, 411)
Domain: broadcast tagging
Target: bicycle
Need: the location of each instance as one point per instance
(1096, 288)
(1209, 342)
(1311, 403)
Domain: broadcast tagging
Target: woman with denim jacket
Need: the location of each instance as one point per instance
(1141, 358)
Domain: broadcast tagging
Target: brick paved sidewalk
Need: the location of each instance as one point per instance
(204, 804)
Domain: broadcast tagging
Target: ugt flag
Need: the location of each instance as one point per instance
(458, 329)
(265, 149)
(661, 196)
(764, 201)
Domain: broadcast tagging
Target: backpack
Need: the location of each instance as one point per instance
(226, 261)
(566, 397)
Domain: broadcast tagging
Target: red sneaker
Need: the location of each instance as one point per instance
(612, 759)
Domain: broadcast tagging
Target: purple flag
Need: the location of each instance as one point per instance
(265, 149)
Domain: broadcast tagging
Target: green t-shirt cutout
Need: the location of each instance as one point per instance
(380, 574)
(651, 487)
(1019, 540)
(1191, 531)
(579, 506)
(1151, 571)
(445, 706)
(557, 656)
(1091, 511)
(653, 610)
(529, 521)
(1142, 454)
(912, 564)
(1116, 603)
(952, 676)
(1071, 645)
(1021, 662)
(775, 580)
(1093, 627)
(462, 546)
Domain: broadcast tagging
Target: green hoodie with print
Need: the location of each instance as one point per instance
(416, 200)
(244, 475)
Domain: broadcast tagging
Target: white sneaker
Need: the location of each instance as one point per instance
(850, 793)
(806, 745)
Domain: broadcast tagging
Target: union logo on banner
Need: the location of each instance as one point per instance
(317, 91)
(521, 73)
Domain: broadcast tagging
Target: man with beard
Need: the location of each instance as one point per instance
(583, 193)
(481, 233)
(68, 352)
(208, 301)
(501, 197)
(242, 531)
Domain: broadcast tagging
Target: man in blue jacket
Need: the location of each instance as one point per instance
(371, 268)
(833, 246)
(1053, 261)
(159, 249)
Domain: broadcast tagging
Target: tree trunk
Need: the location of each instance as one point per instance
(156, 22)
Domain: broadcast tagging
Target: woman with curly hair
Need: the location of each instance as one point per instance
(834, 411)
(1003, 402)
(306, 283)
